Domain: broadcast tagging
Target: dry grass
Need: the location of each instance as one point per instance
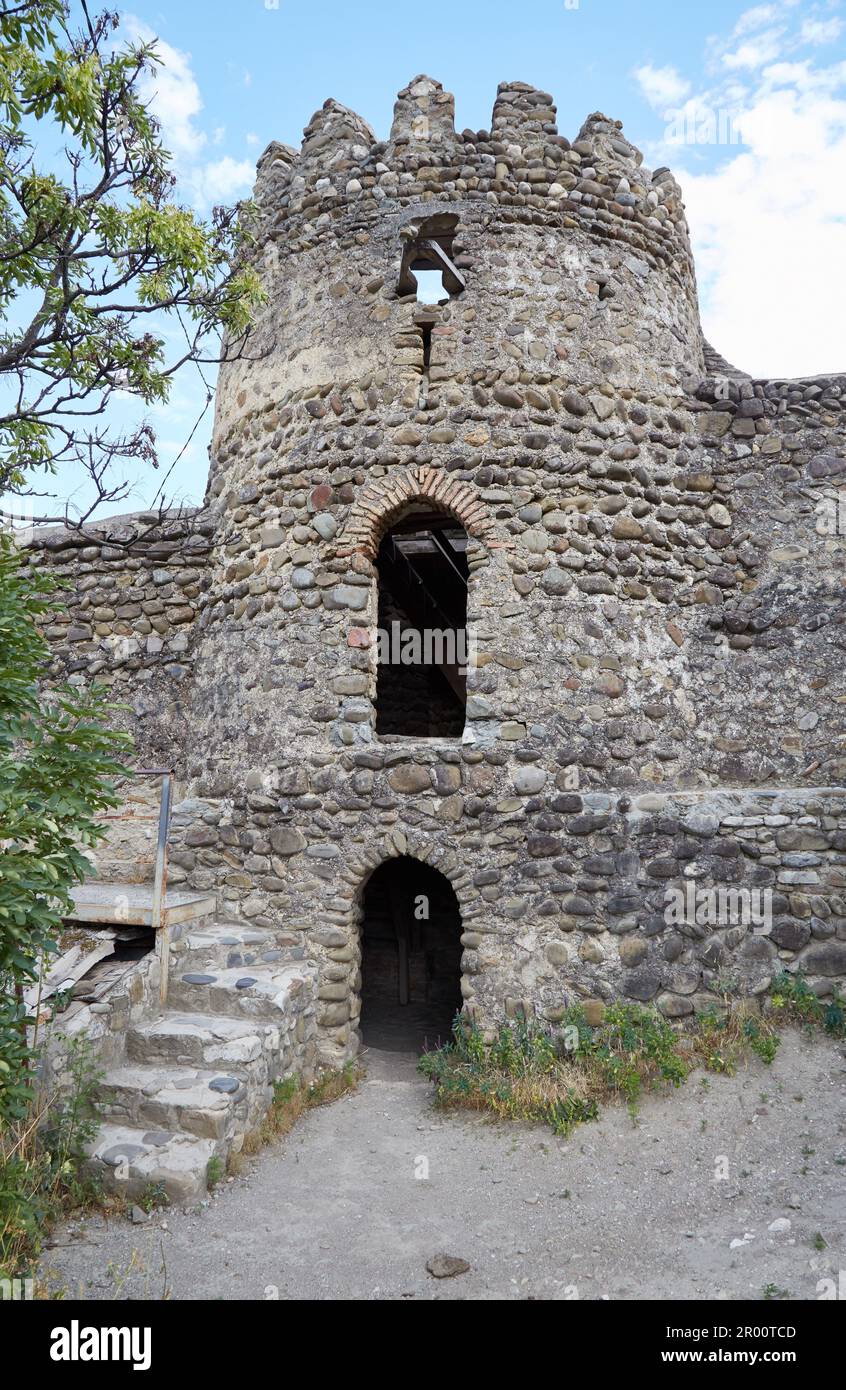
(563, 1079)
(42, 1163)
(291, 1100)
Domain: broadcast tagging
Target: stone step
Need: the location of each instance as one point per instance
(225, 944)
(131, 1160)
(249, 1048)
(208, 1104)
(248, 991)
(199, 1077)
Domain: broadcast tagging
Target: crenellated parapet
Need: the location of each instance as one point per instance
(424, 114)
(522, 114)
(521, 170)
(603, 139)
(335, 133)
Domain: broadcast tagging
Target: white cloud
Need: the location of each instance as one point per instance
(769, 233)
(662, 87)
(767, 219)
(172, 92)
(764, 48)
(221, 181)
(756, 18)
(821, 30)
(174, 96)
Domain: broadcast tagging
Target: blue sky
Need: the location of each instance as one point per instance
(265, 70)
(767, 214)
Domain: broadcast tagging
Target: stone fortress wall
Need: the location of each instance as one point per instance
(655, 583)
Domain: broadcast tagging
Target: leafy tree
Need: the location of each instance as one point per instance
(56, 762)
(97, 261)
(95, 252)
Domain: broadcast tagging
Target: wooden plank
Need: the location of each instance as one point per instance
(59, 971)
(90, 994)
(69, 969)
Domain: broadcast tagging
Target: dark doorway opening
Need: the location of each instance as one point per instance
(421, 687)
(411, 957)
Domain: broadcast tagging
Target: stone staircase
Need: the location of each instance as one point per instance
(198, 1075)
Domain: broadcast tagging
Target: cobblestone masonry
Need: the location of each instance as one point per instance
(656, 581)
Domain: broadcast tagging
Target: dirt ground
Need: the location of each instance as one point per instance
(725, 1188)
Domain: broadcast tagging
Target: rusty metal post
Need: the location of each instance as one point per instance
(159, 912)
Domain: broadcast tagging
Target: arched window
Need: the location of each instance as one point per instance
(430, 284)
(421, 687)
(427, 268)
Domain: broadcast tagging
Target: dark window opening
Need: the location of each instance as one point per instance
(426, 335)
(411, 957)
(425, 326)
(421, 686)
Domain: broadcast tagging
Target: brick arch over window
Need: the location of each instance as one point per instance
(384, 500)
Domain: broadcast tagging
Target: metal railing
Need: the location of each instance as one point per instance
(158, 918)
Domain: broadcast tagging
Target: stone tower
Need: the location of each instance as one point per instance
(653, 564)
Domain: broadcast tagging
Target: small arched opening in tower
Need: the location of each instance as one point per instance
(421, 684)
(429, 267)
(430, 284)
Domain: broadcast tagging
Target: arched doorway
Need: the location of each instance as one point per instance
(410, 956)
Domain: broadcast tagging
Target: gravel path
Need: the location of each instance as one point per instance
(343, 1208)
